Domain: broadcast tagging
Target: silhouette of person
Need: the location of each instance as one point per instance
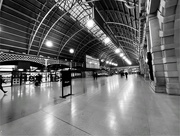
(126, 75)
(2, 81)
(96, 75)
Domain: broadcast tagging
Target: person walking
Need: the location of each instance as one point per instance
(126, 73)
(2, 81)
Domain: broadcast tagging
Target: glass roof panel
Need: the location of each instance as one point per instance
(82, 12)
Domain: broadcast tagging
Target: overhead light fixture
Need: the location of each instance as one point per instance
(146, 60)
(90, 23)
(124, 57)
(106, 40)
(129, 62)
(49, 43)
(117, 50)
(71, 51)
(121, 54)
(102, 60)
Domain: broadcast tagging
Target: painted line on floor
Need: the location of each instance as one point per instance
(67, 123)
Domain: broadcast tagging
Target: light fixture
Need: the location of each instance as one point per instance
(49, 43)
(146, 60)
(71, 51)
(106, 40)
(117, 50)
(90, 23)
(124, 57)
(121, 54)
(102, 60)
(129, 62)
(107, 62)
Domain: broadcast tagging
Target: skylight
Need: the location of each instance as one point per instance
(82, 13)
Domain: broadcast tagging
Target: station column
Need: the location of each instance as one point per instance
(169, 43)
(157, 55)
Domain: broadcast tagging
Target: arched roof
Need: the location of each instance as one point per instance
(27, 24)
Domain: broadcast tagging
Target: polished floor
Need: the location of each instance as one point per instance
(108, 106)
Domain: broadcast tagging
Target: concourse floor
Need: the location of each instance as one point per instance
(108, 106)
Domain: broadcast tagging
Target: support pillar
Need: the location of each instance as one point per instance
(157, 55)
(166, 17)
(176, 37)
(148, 54)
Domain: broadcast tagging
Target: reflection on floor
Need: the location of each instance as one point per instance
(107, 106)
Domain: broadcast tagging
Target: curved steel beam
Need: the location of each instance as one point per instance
(132, 53)
(34, 27)
(44, 33)
(71, 28)
(99, 50)
(93, 46)
(53, 26)
(135, 51)
(50, 30)
(40, 25)
(1, 2)
(80, 44)
(116, 23)
(128, 43)
(70, 39)
(125, 38)
(117, 11)
(103, 51)
(85, 51)
(84, 46)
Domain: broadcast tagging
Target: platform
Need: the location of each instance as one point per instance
(104, 107)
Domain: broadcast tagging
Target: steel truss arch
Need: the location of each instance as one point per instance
(116, 23)
(83, 47)
(126, 38)
(133, 45)
(119, 12)
(40, 25)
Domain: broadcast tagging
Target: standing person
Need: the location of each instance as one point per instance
(96, 75)
(38, 79)
(126, 73)
(2, 81)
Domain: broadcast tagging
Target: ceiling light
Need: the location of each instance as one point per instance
(107, 62)
(124, 57)
(71, 50)
(106, 40)
(49, 43)
(117, 50)
(90, 23)
(130, 63)
(121, 54)
(102, 60)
